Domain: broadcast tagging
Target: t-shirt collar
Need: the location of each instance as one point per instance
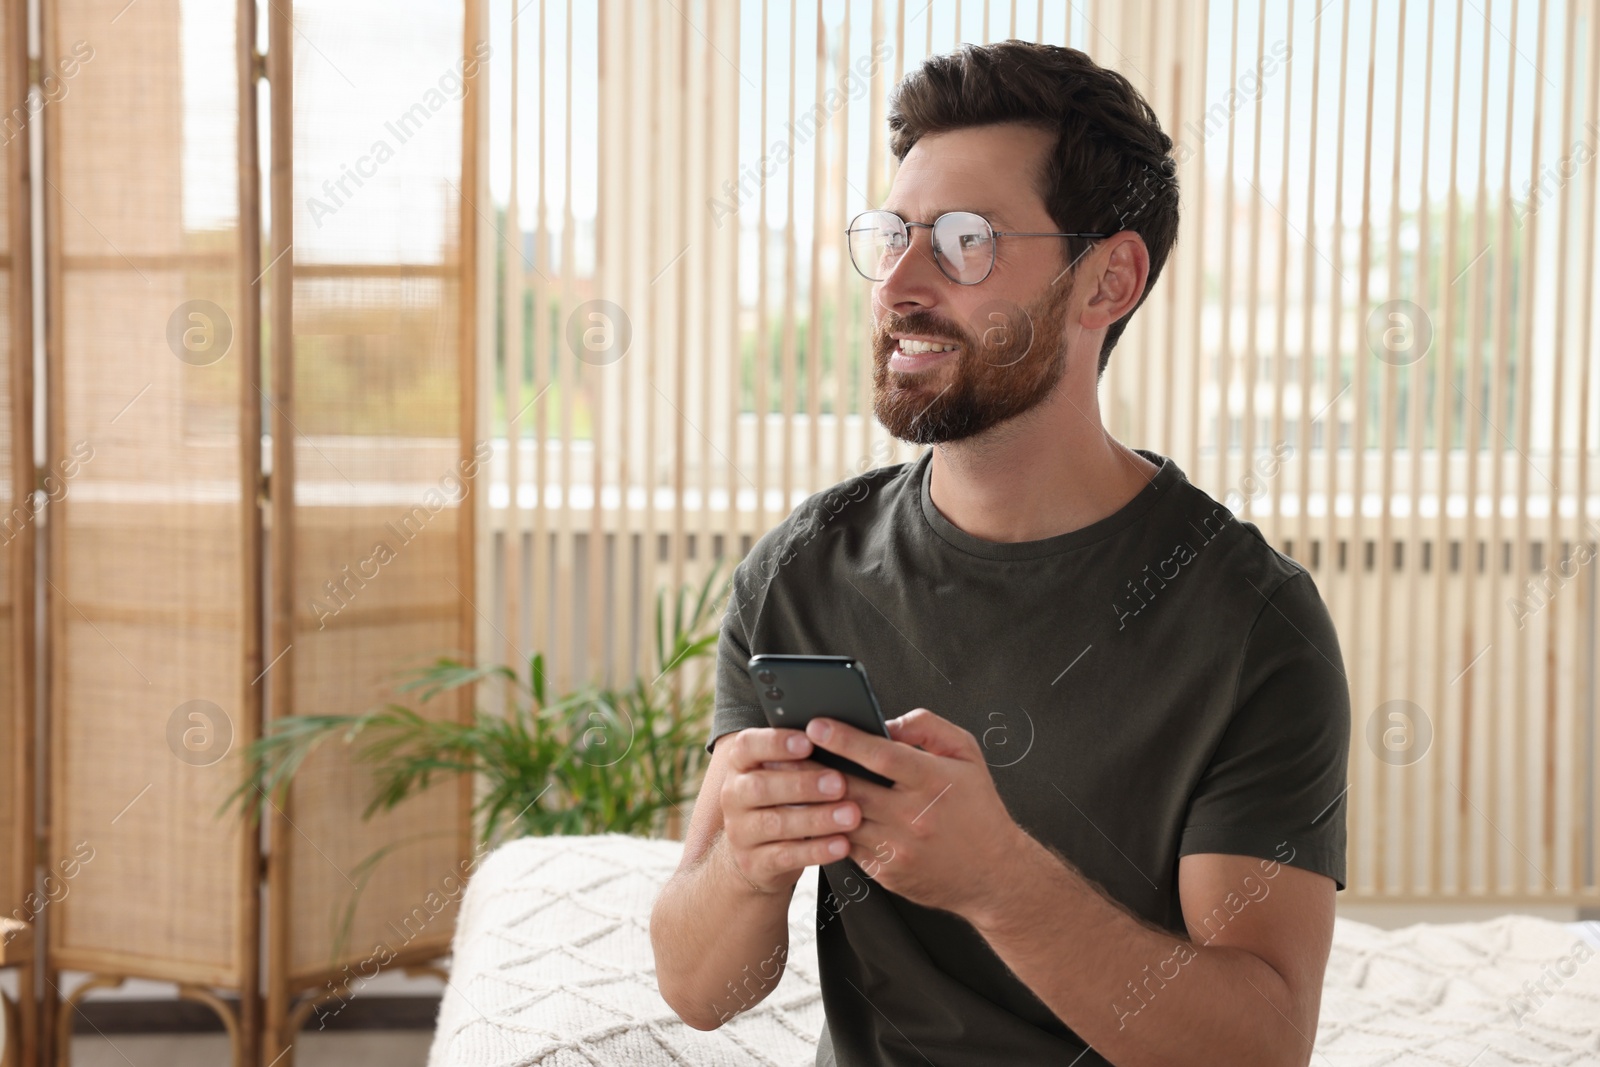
(1167, 474)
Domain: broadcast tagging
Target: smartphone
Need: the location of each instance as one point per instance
(796, 689)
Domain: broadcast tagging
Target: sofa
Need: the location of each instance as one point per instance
(552, 965)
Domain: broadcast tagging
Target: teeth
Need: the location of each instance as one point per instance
(911, 347)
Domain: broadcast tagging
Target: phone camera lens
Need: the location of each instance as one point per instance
(766, 677)
(774, 693)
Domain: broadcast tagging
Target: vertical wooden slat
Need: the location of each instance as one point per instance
(655, 253)
(471, 430)
(1168, 441)
(1363, 693)
(1197, 176)
(1253, 275)
(1303, 478)
(1224, 372)
(763, 359)
(878, 174)
(1498, 381)
(18, 738)
(894, 447)
(1338, 577)
(1416, 375)
(252, 547)
(1387, 416)
(706, 250)
(280, 873)
(1450, 797)
(1586, 839)
(1280, 349)
(832, 227)
(602, 597)
(568, 377)
(813, 468)
(1582, 837)
(624, 234)
(514, 287)
(54, 569)
(1530, 874)
(1472, 636)
(1547, 855)
(789, 269)
(594, 378)
(732, 310)
(681, 144)
(541, 636)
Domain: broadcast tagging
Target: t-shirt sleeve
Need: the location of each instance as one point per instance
(735, 704)
(1275, 787)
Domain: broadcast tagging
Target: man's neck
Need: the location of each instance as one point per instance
(1050, 472)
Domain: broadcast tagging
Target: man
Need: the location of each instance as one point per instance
(1122, 722)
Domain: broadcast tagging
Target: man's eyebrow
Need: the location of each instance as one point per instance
(997, 218)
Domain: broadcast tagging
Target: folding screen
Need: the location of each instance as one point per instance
(19, 902)
(154, 550)
(156, 587)
(372, 425)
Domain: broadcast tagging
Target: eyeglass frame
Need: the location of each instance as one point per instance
(907, 226)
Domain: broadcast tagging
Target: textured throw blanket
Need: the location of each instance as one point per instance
(552, 966)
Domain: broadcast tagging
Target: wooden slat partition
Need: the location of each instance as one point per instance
(1335, 157)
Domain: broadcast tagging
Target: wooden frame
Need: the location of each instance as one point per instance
(18, 946)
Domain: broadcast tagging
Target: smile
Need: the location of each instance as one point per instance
(912, 355)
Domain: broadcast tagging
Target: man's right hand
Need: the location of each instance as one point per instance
(778, 809)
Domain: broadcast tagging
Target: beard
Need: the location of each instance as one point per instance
(996, 376)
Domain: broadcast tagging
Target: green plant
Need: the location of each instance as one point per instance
(596, 760)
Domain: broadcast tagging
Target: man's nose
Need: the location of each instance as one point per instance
(914, 279)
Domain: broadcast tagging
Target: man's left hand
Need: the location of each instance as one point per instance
(941, 835)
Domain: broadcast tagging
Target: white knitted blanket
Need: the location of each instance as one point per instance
(553, 966)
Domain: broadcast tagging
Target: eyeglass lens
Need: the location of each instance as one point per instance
(963, 245)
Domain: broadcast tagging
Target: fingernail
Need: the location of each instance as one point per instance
(797, 744)
(819, 729)
(830, 783)
(839, 848)
(841, 815)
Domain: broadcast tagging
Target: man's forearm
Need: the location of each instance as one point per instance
(1140, 996)
(720, 945)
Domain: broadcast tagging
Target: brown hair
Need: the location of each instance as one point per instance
(1111, 169)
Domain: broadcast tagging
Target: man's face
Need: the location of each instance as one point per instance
(1008, 328)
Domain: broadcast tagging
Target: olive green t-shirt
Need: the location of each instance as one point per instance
(1159, 683)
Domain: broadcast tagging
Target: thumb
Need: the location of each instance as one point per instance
(931, 733)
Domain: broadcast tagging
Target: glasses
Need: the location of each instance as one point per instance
(963, 244)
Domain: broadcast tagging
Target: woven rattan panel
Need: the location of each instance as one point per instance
(378, 571)
(146, 575)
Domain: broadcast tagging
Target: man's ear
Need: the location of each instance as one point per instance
(1117, 270)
